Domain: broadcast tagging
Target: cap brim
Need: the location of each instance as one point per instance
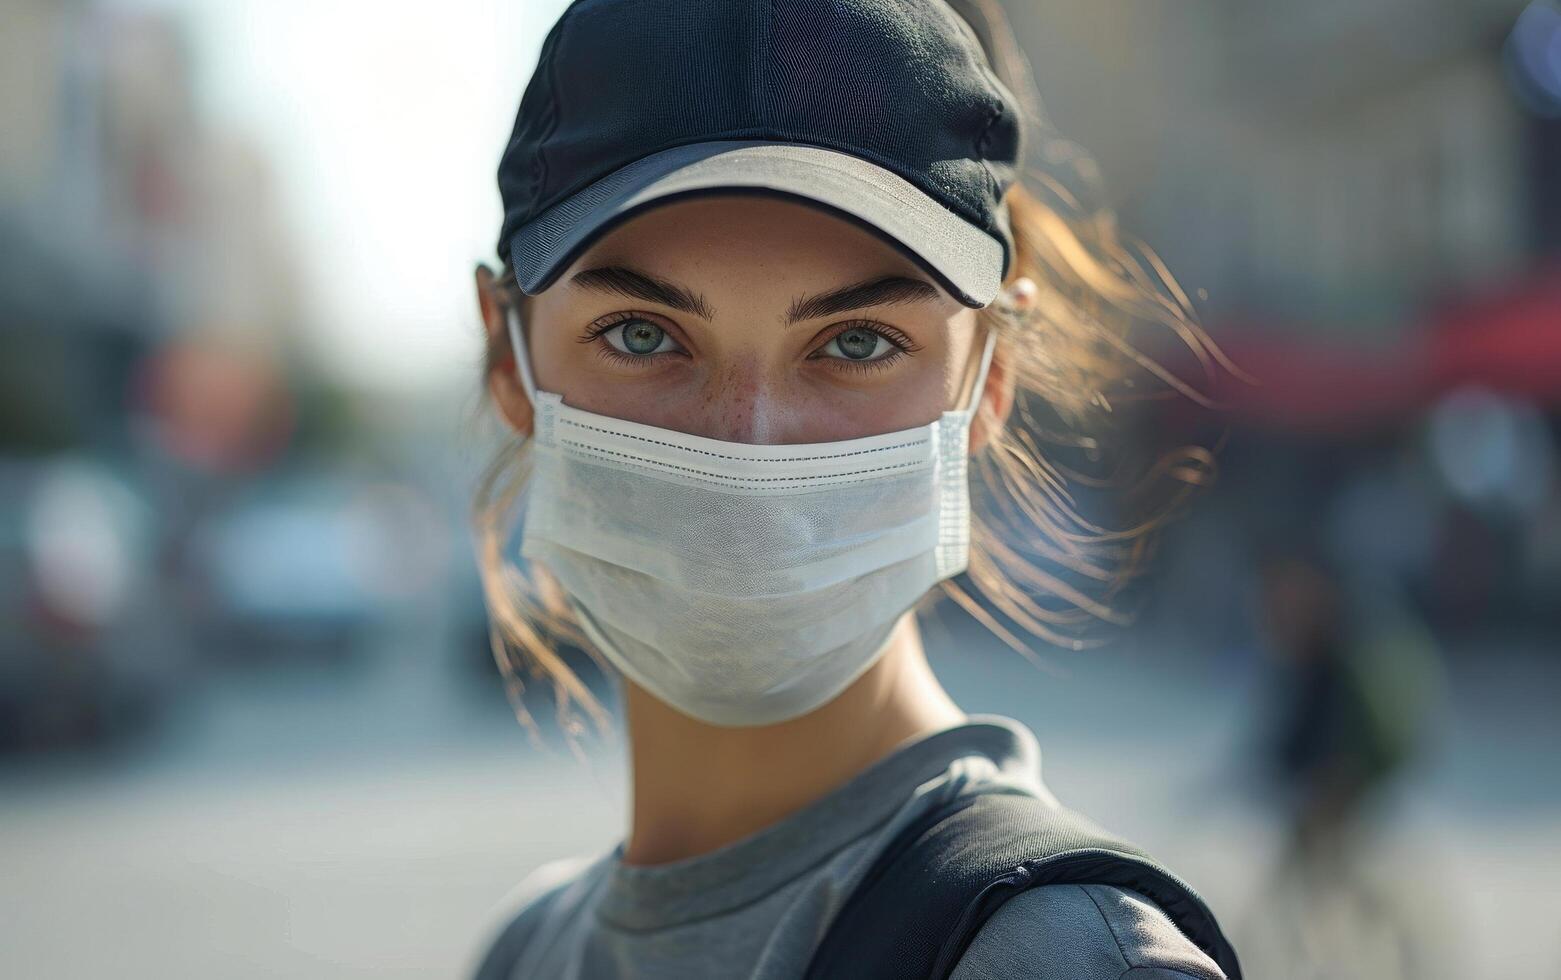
(966, 260)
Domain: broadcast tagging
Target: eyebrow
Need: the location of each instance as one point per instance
(882, 291)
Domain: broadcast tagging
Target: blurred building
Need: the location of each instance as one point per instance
(1363, 199)
(128, 220)
(150, 379)
(1338, 202)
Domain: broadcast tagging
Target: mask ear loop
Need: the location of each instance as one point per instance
(986, 362)
(517, 341)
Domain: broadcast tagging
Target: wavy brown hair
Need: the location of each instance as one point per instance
(1079, 356)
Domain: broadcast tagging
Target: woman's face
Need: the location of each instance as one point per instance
(748, 319)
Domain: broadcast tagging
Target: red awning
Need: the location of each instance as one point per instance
(1507, 340)
(1510, 342)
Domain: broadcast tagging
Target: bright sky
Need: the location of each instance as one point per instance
(384, 123)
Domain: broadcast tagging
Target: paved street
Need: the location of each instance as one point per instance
(364, 824)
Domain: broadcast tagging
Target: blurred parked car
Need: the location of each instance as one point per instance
(287, 569)
(87, 651)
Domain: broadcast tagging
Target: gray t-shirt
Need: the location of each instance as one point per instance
(758, 907)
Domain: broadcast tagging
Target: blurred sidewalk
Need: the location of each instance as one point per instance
(366, 826)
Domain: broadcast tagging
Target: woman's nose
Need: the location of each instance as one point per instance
(746, 407)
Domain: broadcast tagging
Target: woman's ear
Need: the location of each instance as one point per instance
(503, 382)
(998, 399)
(995, 404)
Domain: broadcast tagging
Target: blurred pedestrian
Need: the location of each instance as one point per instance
(1356, 685)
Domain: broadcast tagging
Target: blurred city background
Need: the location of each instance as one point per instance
(249, 721)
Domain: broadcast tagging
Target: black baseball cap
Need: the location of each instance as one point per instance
(884, 112)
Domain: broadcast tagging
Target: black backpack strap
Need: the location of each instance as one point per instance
(921, 903)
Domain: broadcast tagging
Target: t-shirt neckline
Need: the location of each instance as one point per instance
(649, 897)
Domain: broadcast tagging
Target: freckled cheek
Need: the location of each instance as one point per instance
(915, 408)
(917, 395)
(586, 380)
(906, 404)
(574, 370)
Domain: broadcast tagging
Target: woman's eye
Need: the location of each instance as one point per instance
(640, 338)
(860, 344)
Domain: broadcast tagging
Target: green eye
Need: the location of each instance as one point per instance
(860, 344)
(641, 337)
(637, 337)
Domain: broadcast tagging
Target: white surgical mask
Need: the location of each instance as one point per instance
(742, 584)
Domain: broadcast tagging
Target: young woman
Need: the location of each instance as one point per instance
(770, 285)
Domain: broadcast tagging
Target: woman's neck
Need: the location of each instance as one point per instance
(698, 787)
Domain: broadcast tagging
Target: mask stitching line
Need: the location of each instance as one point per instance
(745, 459)
(716, 478)
(582, 447)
